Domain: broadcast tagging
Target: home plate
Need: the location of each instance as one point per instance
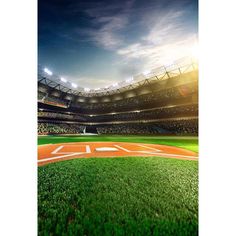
(106, 149)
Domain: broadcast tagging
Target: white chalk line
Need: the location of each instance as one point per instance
(57, 149)
(156, 153)
(122, 148)
(126, 150)
(67, 154)
(157, 150)
(88, 150)
(168, 154)
(59, 157)
(60, 147)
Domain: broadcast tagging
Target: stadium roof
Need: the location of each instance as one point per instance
(184, 65)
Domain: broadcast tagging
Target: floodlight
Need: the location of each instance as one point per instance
(86, 89)
(46, 70)
(63, 80)
(74, 85)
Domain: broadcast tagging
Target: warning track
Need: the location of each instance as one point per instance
(65, 151)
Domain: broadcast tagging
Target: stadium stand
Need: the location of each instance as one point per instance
(50, 128)
(178, 127)
(154, 105)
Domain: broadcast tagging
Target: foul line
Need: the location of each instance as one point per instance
(87, 147)
(57, 149)
(157, 153)
(124, 149)
(173, 155)
(157, 150)
(58, 157)
(88, 150)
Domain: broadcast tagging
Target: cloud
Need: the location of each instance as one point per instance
(92, 83)
(164, 26)
(107, 35)
(107, 23)
(167, 40)
(165, 37)
(138, 36)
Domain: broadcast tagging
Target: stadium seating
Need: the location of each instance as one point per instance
(178, 127)
(51, 128)
(152, 100)
(165, 107)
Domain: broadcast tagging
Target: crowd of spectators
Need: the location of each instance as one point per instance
(51, 128)
(127, 129)
(159, 113)
(58, 115)
(182, 126)
(168, 119)
(179, 127)
(158, 98)
(143, 101)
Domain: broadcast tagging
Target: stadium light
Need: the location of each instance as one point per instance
(63, 80)
(86, 89)
(47, 71)
(74, 85)
(129, 80)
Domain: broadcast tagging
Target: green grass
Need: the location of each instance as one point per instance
(190, 143)
(119, 196)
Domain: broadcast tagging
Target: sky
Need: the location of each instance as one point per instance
(97, 43)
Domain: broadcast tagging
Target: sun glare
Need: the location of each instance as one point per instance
(194, 51)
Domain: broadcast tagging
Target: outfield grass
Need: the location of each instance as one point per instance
(119, 196)
(190, 143)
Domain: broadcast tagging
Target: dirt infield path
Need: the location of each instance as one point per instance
(65, 151)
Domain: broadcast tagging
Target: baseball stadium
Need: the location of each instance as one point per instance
(119, 160)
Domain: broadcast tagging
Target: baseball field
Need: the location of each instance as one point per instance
(140, 185)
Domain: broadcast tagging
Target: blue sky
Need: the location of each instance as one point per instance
(97, 43)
